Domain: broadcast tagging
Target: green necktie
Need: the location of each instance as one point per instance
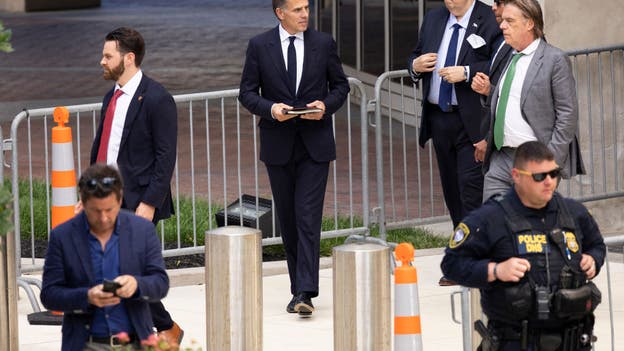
(501, 108)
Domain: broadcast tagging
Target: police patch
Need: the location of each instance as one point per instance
(532, 243)
(571, 241)
(461, 234)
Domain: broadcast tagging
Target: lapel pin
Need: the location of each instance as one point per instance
(140, 97)
(475, 25)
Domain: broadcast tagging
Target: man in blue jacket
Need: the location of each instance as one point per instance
(103, 268)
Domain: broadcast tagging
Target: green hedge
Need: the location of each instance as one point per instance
(419, 238)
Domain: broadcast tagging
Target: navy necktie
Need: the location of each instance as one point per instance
(292, 65)
(446, 88)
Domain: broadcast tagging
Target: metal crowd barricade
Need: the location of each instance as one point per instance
(411, 169)
(408, 188)
(217, 166)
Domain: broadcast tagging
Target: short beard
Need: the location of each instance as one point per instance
(115, 72)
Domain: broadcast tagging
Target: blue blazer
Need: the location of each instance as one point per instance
(482, 23)
(264, 82)
(68, 275)
(147, 152)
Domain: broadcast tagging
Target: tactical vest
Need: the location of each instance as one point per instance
(555, 290)
(554, 303)
(543, 250)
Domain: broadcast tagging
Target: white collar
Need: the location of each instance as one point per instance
(284, 35)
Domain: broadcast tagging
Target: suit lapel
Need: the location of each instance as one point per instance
(133, 109)
(499, 58)
(125, 244)
(473, 25)
(274, 48)
(534, 67)
(309, 54)
(438, 33)
(82, 250)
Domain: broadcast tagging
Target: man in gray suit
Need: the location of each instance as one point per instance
(535, 99)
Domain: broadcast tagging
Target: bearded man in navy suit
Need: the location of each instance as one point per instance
(287, 67)
(137, 134)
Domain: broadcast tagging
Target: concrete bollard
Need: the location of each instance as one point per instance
(234, 289)
(362, 298)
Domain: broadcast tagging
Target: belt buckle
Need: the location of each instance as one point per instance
(115, 343)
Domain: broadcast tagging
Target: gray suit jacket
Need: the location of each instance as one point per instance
(550, 107)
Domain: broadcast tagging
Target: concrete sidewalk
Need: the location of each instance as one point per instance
(283, 331)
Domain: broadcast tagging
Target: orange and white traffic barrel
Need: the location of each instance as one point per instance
(407, 329)
(64, 196)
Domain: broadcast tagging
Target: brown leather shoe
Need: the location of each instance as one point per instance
(173, 335)
(444, 281)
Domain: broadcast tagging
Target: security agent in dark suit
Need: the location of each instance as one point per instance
(103, 242)
(138, 134)
(451, 113)
(286, 67)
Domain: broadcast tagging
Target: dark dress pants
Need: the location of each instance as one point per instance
(298, 189)
(160, 317)
(461, 175)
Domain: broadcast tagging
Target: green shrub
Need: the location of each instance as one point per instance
(204, 220)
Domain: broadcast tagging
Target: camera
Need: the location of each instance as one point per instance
(542, 300)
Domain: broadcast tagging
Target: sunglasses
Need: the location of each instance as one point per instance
(539, 177)
(105, 183)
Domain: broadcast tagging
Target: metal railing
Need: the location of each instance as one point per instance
(215, 167)
(409, 193)
(210, 176)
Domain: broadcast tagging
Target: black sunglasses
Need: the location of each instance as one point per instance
(539, 177)
(105, 183)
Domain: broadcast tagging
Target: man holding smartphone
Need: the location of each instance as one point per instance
(103, 268)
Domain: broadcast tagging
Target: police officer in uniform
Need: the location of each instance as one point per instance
(532, 254)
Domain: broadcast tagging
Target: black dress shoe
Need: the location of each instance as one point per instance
(290, 308)
(303, 305)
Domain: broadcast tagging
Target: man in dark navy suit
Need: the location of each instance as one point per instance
(138, 134)
(287, 67)
(456, 41)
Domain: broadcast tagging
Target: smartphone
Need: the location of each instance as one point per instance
(110, 286)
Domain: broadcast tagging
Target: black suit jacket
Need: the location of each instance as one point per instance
(264, 82)
(147, 152)
(497, 68)
(482, 23)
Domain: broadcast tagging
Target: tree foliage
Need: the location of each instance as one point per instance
(5, 39)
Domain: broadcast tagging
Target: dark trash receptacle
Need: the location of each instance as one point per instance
(260, 217)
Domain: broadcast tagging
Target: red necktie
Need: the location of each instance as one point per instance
(106, 129)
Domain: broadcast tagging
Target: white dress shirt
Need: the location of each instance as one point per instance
(119, 119)
(517, 129)
(434, 91)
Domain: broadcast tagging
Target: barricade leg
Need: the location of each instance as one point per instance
(234, 289)
(361, 286)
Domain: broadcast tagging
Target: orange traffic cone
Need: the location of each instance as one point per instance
(64, 195)
(407, 331)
